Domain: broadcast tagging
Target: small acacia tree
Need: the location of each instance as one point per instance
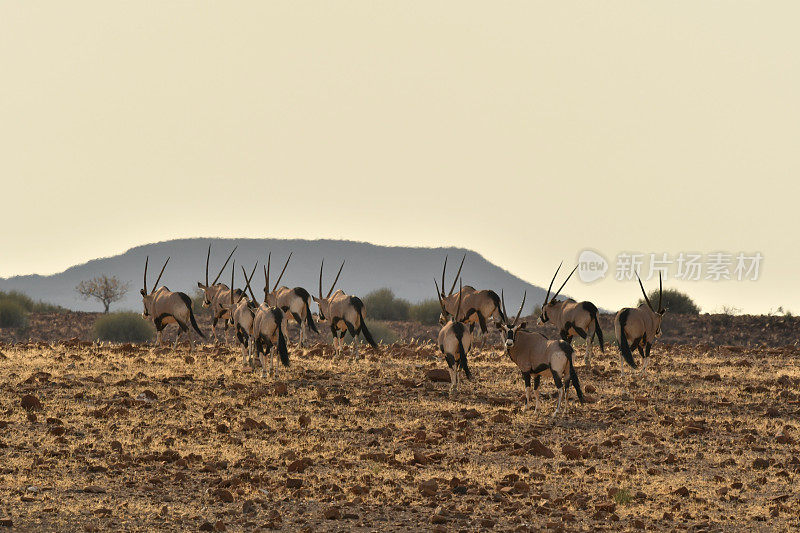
(107, 289)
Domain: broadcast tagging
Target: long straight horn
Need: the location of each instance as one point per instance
(444, 268)
(458, 305)
(335, 280)
(322, 264)
(282, 271)
(503, 303)
(147, 260)
(565, 282)
(247, 282)
(226, 264)
(457, 275)
(660, 293)
(522, 305)
(547, 297)
(208, 258)
(646, 299)
(439, 296)
(233, 271)
(266, 283)
(160, 273)
(266, 273)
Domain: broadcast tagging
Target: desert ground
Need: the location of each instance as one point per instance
(99, 437)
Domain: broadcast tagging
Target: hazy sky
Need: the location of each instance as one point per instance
(526, 131)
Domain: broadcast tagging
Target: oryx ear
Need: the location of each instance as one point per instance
(143, 292)
(498, 325)
(522, 326)
(201, 285)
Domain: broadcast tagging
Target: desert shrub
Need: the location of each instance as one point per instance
(624, 496)
(123, 327)
(426, 312)
(12, 314)
(197, 301)
(675, 301)
(382, 304)
(28, 304)
(380, 332)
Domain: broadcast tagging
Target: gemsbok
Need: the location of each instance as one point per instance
(534, 354)
(164, 306)
(268, 335)
(294, 302)
(344, 313)
(215, 295)
(638, 327)
(241, 313)
(572, 318)
(454, 341)
(477, 305)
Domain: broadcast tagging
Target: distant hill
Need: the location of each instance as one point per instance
(408, 271)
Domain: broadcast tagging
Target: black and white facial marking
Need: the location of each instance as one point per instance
(510, 333)
(145, 297)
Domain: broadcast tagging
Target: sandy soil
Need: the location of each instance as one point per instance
(101, 438)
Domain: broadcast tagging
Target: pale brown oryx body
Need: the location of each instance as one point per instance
(269, 335)
(534, 354)
(344, 313)
(215, 295)
(572, 318)
(293, 302)
(454, 341)
(638, 327)
(163, 307)
(241, 313)
(477, 306)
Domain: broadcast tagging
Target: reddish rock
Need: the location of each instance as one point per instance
(536, 448)
(30, 402)
(429, 487)
(438, 375)
(571, 452)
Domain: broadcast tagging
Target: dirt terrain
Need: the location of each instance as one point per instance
(121, 437)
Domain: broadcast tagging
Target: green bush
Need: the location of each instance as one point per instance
(426, 312)
(27, 303)
(380, 332)
(674, 301)
(12, 314)
(197, 301)
(123, 327)
(382, 304)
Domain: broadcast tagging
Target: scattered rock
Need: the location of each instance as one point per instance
(760, 463)
(30, 402)
(682, 492)
(280, 388)
(501, 418)
(438, 375)
(332, 513)
(571, 452)
(300, 465)
(304, 420)
(536, 448)
(293, 483)
(224, 495)
(429, 487)
(471, 414)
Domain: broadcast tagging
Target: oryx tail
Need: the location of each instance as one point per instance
(462, 354)
(592, 310)
(573, 376)
(309, 319)
(359, 305)
(283, 351)
(188, 302)
(496, 299)
(624, 348)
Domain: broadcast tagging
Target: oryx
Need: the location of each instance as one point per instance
(454, 341)
(638, 327)
(344, 313)
(163, 307)
(216, 294)
(477, 305)
(294, 302)
(572, 318)
(534, 354)
(241, 313)
(268, 335)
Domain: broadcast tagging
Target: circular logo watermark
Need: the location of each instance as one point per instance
(591, 266)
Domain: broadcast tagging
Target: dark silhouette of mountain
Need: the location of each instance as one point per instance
(408, 271)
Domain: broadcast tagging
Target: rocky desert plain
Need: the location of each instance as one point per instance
(121, 437)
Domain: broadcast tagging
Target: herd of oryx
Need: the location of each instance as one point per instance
(261, 328)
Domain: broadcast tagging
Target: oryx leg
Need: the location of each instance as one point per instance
(302, 334)
(589, 343)
(159, 337)
(646, 356)
(526, 384)
(451, 368)
(214, 330)
(537, 380)
(263, 360)
(556, 373)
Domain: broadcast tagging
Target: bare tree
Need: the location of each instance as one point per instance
(104, 288)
